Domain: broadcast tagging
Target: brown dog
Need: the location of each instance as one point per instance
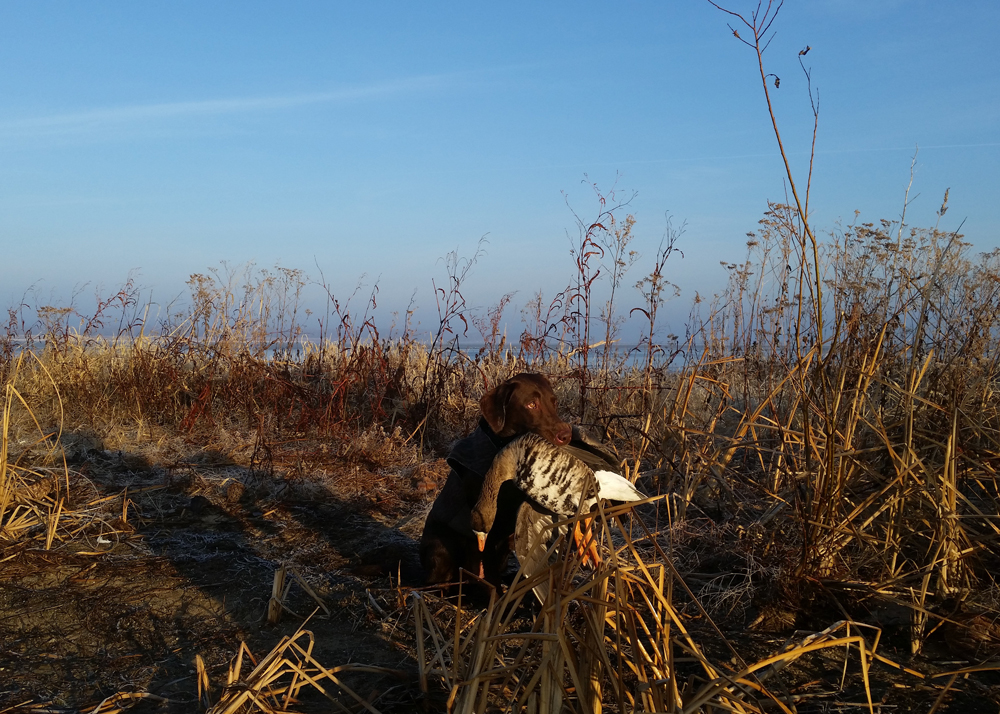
(524, 403)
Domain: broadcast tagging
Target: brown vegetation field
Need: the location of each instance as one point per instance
(214, 513)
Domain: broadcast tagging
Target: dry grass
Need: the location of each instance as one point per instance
(276, 682)
(39, 506)
(615, 638)
(836, 476)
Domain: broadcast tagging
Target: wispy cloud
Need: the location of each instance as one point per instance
(95, 120)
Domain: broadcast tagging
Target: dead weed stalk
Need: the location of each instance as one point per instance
(613, 636)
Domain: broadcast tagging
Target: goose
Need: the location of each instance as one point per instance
(554, 478)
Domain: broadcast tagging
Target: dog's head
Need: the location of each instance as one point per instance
(525, 403)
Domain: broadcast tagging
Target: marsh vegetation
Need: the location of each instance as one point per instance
(822, 441)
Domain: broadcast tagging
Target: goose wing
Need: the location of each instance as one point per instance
(558, 480)
(591, 452)
(554, 479)
(616, 487)
(606, 467)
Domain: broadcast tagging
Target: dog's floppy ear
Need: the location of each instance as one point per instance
(494, 406)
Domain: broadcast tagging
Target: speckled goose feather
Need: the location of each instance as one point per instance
(558, 481)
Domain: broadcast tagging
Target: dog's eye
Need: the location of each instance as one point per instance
(531, 405)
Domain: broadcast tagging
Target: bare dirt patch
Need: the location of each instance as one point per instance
(127, 604)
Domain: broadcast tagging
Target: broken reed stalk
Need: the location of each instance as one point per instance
(121, 702)
(204, 687)
(280, 678)
(281, 585)
(275, 604)
(607, 636)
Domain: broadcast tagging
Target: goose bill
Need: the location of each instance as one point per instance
(481, 540)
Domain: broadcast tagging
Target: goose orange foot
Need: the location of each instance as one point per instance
(586, 544)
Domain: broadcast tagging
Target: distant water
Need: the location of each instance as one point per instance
(627, 355)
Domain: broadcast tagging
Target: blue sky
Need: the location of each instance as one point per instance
(373, 138)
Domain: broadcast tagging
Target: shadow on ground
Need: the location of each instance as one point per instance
(127, 605)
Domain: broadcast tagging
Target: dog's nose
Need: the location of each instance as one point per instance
(564, 435)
